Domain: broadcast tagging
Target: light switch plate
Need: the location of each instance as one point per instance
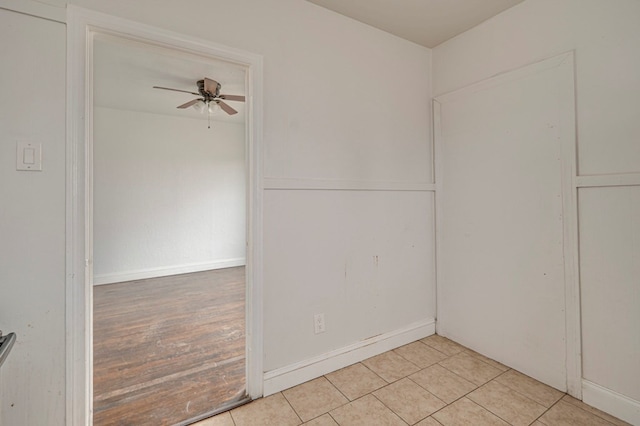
(29, 156)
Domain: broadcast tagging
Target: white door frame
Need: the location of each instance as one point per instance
(82, 24)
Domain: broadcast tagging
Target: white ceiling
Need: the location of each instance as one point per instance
(425, 22)
(126, 71)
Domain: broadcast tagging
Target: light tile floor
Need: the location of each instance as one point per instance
(431, 382)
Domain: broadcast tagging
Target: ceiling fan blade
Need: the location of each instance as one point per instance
(176, 90)
(190, 103)
(226, 108)
(238, 98)
(211, 86)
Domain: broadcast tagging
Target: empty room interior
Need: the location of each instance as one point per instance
(320, 212)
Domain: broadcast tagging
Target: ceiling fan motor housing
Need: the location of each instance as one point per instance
(208, 96)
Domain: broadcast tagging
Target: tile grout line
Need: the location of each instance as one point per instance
(528, 397)
(546, 408)
(504, 420)
(465, 395)
(477, 386)
(545, 412)
(365, 366)
(427, 345)
(443, 353)
(291, 405)
(498, 416)
(408, 378)
(595, 413)
(338, 389)
(483, 361)
(429, 392)
(464, 350)
(333, 418)
(438, 363)
(382, 402)
(371, 392)
(361, 397)
(487, 409)
(575, 406)
(385, 405)
(519, 393)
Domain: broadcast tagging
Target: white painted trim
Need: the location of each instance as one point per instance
(255, 193)
(568, 132)
(505, 77)
(438, 175)
(300, 372)
(597, 181)
(142, 274)
(611, 402)
(36, 8)
(430, 115)
(271, 183)
(82, 24)
(78, 304)
(565, 65)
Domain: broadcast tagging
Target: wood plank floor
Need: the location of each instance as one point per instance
(168, 349)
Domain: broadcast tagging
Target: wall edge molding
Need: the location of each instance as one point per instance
(300, 372)
(611, 402)
(272, 183)
(602, 181)
(512, 74)
(36, 9)
(163, 272)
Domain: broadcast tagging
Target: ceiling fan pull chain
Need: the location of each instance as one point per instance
(208, 117)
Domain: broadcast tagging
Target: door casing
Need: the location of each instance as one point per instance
(82, 25)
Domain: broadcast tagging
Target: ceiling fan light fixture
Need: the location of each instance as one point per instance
(200, 107)
(214, 107)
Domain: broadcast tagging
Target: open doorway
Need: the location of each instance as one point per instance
(82, 27)
(169, 227)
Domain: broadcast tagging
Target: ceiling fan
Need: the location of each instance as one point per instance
(209, 90)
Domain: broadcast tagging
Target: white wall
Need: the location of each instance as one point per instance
(359, 257)
(32, 220)
(169, 195)
(346, 106)
(341, 106)
(501, 261)
(606, 39)
(605, 36)
(610, 266)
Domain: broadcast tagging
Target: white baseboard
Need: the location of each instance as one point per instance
(164, 272)
(611, 402)
(303, 371)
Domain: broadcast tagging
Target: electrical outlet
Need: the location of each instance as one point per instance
(318, 323)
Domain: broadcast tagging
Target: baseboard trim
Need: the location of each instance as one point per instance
(164, 272)
(300, 372)
(611, 402)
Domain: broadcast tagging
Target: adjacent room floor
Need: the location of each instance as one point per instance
(168, 349)
(431, 382)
